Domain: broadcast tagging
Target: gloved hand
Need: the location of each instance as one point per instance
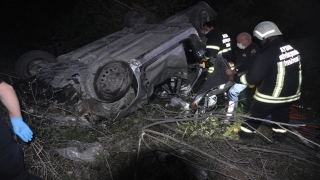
(21, 129)
(202, 65)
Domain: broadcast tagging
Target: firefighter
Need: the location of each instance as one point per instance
(245, 56)
(218, 45)
(217, 42)
(277, 72)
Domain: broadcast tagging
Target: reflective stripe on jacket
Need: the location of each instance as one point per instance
(217, 43)
(276, 72)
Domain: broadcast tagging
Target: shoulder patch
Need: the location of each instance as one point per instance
(253, 51)
(244, 55)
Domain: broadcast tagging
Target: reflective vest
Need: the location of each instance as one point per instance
(277, 72)
(217, 43)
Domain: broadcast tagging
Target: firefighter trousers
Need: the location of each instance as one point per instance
(279, 113)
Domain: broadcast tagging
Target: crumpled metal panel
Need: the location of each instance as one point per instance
(155, 52)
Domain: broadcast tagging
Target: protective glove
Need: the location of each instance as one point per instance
(202, 65)
(21, 129)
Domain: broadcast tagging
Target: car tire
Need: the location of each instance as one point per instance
(32, 62)
(133, 18)
(109, 79)
(197, 18)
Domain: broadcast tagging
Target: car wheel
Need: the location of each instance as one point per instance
(109, 79)
(133, 18)
(32, 62)
(197, 18)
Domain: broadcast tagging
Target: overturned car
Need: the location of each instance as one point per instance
(115, 75)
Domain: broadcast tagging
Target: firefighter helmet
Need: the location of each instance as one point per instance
(266, 29)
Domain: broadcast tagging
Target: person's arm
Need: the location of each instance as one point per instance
(10, 100)
(213, 45)
(250, 60)
(256, 74)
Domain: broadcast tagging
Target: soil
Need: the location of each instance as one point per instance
(166, 143)
(159, 143)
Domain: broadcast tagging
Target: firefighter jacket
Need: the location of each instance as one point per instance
(245, 58)
(218, 43)
(277, 72)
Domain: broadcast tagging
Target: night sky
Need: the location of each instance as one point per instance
(29, 24)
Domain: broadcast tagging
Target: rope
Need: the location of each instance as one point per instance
(310, 129)
(294, 114)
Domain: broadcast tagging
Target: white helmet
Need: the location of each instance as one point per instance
(266, 29)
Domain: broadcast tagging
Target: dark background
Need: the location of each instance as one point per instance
(60, 26)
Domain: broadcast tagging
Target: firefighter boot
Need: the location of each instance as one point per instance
(279, 134)
(246, 133)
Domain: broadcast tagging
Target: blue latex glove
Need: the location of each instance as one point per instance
(21, 129)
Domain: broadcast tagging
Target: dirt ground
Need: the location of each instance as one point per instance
(167, 143)
(159, 143)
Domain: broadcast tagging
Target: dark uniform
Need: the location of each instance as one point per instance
(245, 58)
(218, 43)
(11, 156)
(277, 71)
(243, 62)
